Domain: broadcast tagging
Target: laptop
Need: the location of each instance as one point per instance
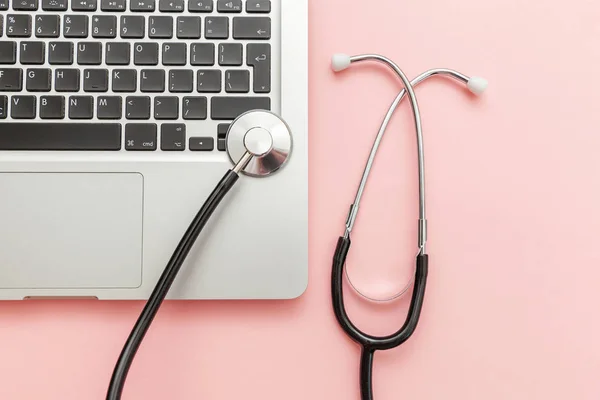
(113, 119)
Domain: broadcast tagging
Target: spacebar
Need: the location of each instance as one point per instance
(59, 136)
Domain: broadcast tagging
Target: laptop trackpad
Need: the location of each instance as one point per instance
(70, 230)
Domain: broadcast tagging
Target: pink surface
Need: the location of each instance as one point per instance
(513, 196)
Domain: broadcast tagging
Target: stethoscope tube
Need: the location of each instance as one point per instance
(169, 274)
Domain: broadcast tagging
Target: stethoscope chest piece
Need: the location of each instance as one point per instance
(265, 135)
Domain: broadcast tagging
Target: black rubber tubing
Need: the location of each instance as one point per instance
(371, 343)
(117, 382)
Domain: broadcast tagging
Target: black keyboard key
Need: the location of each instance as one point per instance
(113, 5)
(216, 28)
(4, 5)
(76, 26)
(252, 28)
(203, 6)
(32, 53)
(38, 80)
(52, 107)
(95, 80)
(23, 107)
(59, 136)
(145, 54)
(230, 54)
(11, 79)
(137, 107)
(60, 53)
(55, 5)
(181, 81)
(195, 108)
(202, 54)
(25, 5)
(124, 80)
(81, 107)
(1, 25)
(47, 26)
(84, 5)
(118, 53)
(104, 26)
(140, 137)
(133, 26)
(66, 80)
(142, 5)
(152, 81)
(18, 25)
(3, 106)
(188, 27)
(109, 107)
(202, 144)
(8, 52)
(229, 6)
(222, 130)
(172, 137)
(259, 57)
(174, 53)
(89, 53)
(160, 27)
(166, 107)
(209, 81)
(237, 81)
(232, 107)
(258, 6)
(171, 5)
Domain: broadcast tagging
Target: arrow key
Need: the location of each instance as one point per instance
(252, 28)
(172, 137)
(202, 144)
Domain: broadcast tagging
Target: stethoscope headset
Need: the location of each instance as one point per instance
(259, 144)
(370, 343)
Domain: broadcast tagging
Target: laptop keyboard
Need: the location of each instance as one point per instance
(131, 75)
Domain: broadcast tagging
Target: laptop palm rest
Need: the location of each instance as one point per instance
(70, 230)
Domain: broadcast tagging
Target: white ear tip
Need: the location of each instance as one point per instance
(340, 62)
(477, 85)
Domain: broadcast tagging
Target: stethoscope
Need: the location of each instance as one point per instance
(259, 144)
(370, 343)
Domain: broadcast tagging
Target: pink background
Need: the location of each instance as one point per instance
(513, 202)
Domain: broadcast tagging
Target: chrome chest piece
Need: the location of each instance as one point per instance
(263, 134)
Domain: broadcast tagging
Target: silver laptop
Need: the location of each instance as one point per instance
(113, 117)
